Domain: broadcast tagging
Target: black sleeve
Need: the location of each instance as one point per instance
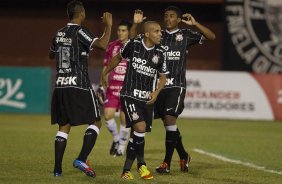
(86, 37)
(162, 69)
(193, 37)
(127, 49)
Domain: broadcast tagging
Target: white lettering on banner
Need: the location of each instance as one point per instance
(11, 91)
(255, 27)
(220, 106)
(85, 35)
(66, 81)
(232, 95)
(141, 94)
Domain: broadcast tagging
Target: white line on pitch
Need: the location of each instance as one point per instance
(239, 162)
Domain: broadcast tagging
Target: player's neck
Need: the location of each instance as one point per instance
(172, 29)
(76, 21)
(148, 43)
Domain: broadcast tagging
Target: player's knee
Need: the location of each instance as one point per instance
(140, 127)
(109, 116)
(65, 128)
(98, 124)
(169, 120)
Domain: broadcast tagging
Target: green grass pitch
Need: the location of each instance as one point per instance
(27, 152)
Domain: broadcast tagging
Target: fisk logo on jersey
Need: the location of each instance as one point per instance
(169, 81)
(141, 94)
(85, 35)
(66, 81)
(140, 66)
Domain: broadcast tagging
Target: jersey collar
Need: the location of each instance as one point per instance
(171, 32)
(146, 46)
(72, 24)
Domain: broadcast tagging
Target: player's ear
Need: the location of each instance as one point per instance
(147, 34)
(178, 19)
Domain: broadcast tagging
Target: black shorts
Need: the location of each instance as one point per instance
(74, 106)
(170, 101)
(136, 111)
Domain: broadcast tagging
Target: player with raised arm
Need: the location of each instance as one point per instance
(170, 102)
(74, 102)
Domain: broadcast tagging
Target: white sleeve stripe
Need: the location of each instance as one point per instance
(201, 40)
(92, 43)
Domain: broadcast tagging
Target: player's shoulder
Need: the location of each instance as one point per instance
(138, 39)
(189, 31)
(160, 48)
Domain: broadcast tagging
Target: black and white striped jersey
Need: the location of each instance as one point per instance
(71, 45)
(176, 44)
(143, 65)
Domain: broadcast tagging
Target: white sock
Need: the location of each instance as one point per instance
(112, 127)
(123, 137)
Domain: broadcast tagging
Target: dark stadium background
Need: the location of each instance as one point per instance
(28, 26)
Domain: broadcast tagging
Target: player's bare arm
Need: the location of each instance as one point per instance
(138, 18)
(111, 65)
(190, 20)
(102, 42)
(160, 86)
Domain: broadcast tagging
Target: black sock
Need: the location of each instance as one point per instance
(139, 143)
(88, 144)
(179, 147)
(130, 156)
(170, 143)
(60, 146)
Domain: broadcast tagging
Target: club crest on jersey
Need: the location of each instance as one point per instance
(179, 37)
(155, 59)
(134, 116)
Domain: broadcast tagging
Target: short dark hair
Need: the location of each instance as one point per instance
(126, 23)
(175, 9)
(72, 8)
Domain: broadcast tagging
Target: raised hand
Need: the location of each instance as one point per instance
(107, 19)
(138, 17)
(188, 19)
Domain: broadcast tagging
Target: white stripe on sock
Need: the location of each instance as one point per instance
(62, 134)
(139, 134)
(95, 128)
(171, 128)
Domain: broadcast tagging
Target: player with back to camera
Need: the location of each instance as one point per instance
(74, 101)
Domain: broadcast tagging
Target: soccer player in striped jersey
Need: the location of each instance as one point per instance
(170, 102)
(74, 102)
(112, 99)
(145, 59)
